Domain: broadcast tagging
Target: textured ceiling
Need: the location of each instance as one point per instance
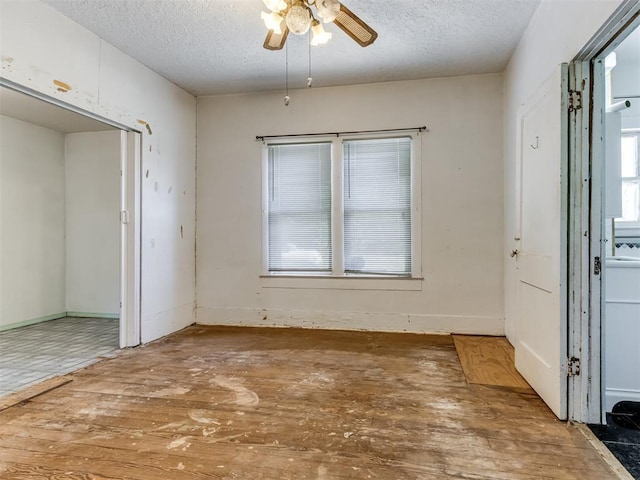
(211, 47)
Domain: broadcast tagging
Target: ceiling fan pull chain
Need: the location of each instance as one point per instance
(309, 79)
(287, 99)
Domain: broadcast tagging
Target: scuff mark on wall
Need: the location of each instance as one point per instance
(147, 126)
(62, 87)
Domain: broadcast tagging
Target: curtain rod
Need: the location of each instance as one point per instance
(262, 138)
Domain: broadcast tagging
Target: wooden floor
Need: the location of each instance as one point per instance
(233, 403)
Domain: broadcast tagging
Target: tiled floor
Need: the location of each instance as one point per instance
(623, 441)
(29, 355)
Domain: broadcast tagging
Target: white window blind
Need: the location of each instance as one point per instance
(377, 206)
(299, 213)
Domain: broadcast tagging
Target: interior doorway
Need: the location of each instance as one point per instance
(619, 216)
(69, 237)
(587, 247)
(604, 263)
(621, 224)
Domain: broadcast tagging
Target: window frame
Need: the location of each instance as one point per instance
(337, 277)
(622, 227)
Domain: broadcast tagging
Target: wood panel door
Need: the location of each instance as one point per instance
(541, 347)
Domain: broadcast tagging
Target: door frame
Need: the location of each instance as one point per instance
(586, 227)
(131, 195)
(130, 246)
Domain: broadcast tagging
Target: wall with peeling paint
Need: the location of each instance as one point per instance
(45, 51)
(32, 213)
(92, 194)
(461, 209)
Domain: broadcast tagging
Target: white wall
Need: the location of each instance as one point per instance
(557, 32)
(461, 207)
(92, 174)
(38, 46)
(32, 247)
(626, 81)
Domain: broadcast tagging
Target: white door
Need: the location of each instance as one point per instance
(130, 239)
(542, 331)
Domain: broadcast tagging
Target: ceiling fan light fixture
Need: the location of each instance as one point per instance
(275, 5)
(328, 9)
(320, 36)
(272, 21)
(298, 19)
(298, 16)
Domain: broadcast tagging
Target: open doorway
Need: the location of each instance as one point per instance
(621, 218)
(69, 272)
(604, 265)
(620, 221)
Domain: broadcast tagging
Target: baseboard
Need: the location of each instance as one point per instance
(33, 321)
(615, 395)
(57, 316)
(93, 315)
(382, 322)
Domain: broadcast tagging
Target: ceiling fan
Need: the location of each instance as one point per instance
(297, 17)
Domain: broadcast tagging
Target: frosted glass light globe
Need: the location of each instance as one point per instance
(328, 9)
(275, 5)
(298, 19)
(272, 21)
(320, 37)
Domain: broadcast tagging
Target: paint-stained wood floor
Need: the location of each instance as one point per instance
(234, 403)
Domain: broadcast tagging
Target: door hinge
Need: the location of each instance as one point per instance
(573, 367)
(597, 265)
(575, 100)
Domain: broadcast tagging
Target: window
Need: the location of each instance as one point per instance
(377, 206)
(300, 208)
(630, 179)
(340, 208)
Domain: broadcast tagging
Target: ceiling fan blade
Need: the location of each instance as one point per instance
(349, 22)
(276, 41)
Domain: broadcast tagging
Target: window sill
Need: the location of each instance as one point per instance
(627, 230)
(346, 282)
